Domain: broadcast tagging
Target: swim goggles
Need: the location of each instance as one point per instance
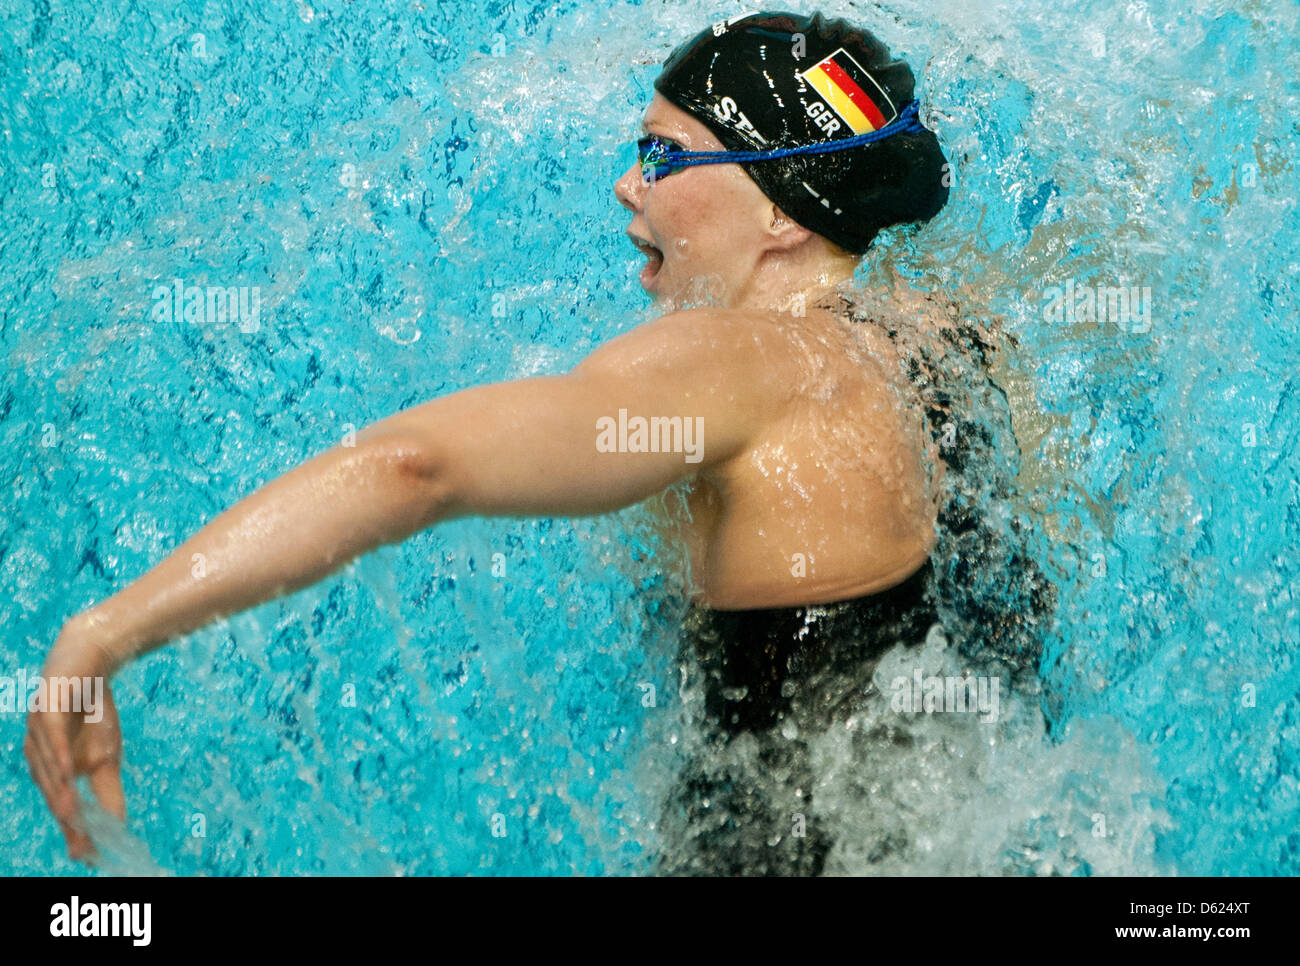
(661, 156)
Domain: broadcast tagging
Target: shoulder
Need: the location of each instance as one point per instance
(711, 345)
(709, 364)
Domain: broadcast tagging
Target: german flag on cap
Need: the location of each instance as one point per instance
(844, 86)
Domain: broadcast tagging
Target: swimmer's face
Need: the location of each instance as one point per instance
(708, 221)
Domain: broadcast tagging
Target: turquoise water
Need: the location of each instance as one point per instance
(421, 197)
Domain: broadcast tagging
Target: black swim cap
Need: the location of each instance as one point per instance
(761, 81)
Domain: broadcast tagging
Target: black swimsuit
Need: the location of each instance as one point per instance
(772, 675)
(762, 665)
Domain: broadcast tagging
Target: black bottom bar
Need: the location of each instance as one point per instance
(929, 915)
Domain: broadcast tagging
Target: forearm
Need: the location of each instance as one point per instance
(289, 534)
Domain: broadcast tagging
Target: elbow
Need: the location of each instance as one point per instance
(418, 471)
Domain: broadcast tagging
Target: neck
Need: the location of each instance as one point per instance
(782, 281)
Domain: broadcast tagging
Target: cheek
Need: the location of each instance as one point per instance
(700, 213)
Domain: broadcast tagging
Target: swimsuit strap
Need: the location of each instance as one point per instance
(936, 417)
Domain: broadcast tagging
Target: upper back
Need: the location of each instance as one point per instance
(831, 498)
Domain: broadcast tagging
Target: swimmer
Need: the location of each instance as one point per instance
(775, 149)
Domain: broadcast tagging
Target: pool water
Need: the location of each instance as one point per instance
(412, 198)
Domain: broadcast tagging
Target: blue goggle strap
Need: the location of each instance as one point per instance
(906, 123)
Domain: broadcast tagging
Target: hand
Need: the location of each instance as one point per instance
(61, 745)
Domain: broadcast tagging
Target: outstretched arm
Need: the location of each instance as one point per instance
(523, 448)
(518, 448)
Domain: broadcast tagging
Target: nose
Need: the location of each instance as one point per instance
(630, 188)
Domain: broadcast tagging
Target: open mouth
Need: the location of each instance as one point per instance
(654, 261)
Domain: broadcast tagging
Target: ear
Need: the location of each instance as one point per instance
(784, 230)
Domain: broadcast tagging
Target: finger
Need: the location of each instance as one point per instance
(48, 778)
(53, 774)
(46, 781)
(106, 783)
(37, 746)
(79, 844)
(49, 728)
(65, 805)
